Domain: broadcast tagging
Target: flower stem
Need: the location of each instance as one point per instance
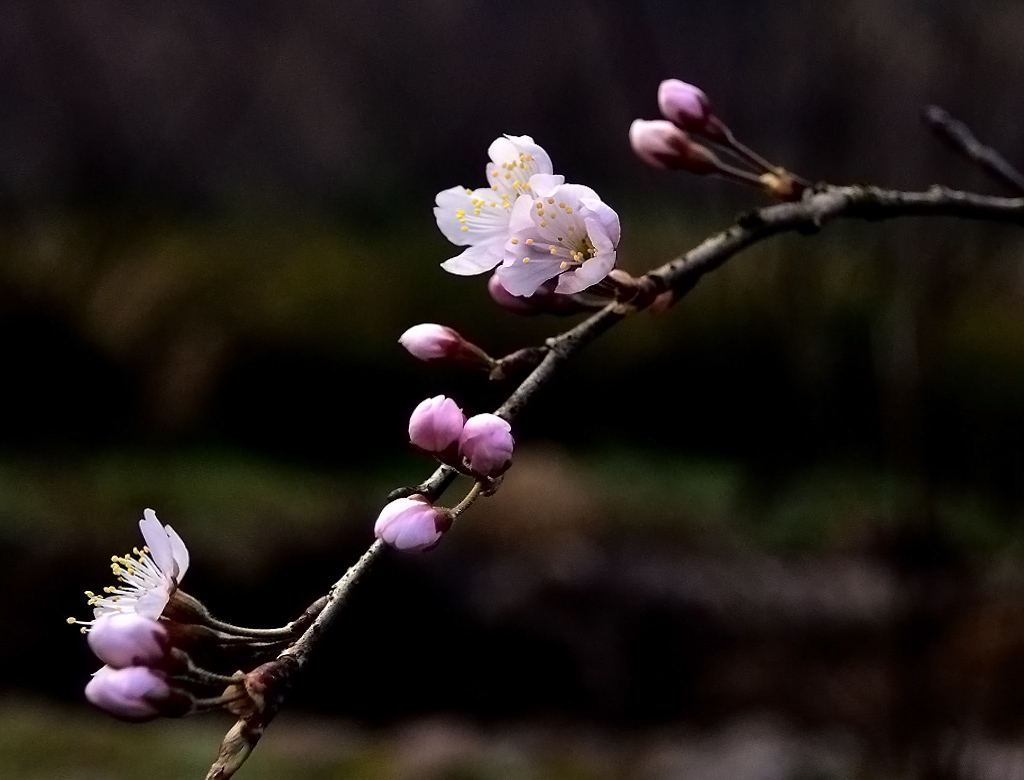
(465, 503)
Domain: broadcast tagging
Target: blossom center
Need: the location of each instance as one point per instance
(138, 574)
(514, 175)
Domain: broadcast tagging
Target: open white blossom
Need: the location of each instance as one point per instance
(148, 578)
(479, 219)
(562, 230)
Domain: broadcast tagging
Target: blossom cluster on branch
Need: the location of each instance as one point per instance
(529, 223)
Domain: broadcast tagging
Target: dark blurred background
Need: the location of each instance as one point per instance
(772, 533)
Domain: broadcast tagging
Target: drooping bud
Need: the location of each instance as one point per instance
(136, 693)
(486, 445)
(428, 341)
(123, 639)
(661, 144)
(411, 524)
(684, 105)
(435, 425)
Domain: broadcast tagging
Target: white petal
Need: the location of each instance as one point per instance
(605, 214)
(544, 184)
(468, 218)
(476, 259)
(521, 278)
(521, 218)
(509, 147)
(180, 553)
(590, 273)
(151, 603)
(157, 542)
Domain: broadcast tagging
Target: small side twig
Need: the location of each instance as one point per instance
(958, 136)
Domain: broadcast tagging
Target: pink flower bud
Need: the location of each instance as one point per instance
(135, 693)
(428, 341)
(544, 301)
(661, 144)
(486, 445)
(684, 104)
(411, 524)
(435, 425)
(123, 639)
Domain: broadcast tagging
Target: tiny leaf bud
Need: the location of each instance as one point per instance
(123, 639)
(486, 445)
(411, 524)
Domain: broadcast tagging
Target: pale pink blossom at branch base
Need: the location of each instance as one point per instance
(436, 424)
(486, 445)
(147, 578)
(661, 144)
(411, 524)
(684, 104)
(124, 639)
(560, 230)
(135, 693)
(478, 219)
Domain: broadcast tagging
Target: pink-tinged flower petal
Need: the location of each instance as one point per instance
(477, 259)
(179, 552)
(435, 424)
(128, 639)
(587, 275)
(157, 542)
(606, 217)
(149, 604)
(524, 279)
(468, 216)
(522, 149)
(544, 185)
(410, 524)
(684, 104)
(133, 693)
(604, 240)
(486, 445)
(559, 230)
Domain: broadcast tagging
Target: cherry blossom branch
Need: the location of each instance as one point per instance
(267, 685)
(957, 135)
(816, 209)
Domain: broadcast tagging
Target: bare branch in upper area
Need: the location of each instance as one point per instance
(958, 135)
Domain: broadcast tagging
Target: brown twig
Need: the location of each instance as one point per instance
(957, 135)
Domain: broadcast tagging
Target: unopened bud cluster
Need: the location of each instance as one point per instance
(480, 447)
(669, 143)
